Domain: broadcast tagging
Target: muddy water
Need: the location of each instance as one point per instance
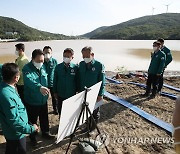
(132, 54)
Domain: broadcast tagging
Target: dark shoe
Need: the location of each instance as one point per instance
(85, 130)
(92, 127)
(48, 136)
(55, 112)
(159, 92)
(152, 96)
(145, 94)
(33, 141)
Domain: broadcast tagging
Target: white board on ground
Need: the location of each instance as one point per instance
(71, 109)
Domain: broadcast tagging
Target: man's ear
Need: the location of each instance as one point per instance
(72, 57)
(16, 77)
(92, 54)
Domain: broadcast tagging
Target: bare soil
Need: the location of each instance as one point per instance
(120, 123)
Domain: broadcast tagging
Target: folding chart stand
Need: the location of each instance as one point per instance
(85, 110)
(77, 110)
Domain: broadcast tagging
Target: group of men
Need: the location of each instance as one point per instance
(35, 81)
(160, 59)
(42, 76)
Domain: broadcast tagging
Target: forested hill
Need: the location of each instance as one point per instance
(12, 28)
(165, 25)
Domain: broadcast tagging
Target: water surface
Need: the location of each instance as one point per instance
(132, 54)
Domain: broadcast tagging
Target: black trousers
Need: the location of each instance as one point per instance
(160, 82)
(20, 89)
(59, 105)
(54, 102)
(40, 111)
(152, 81)
(16, 146)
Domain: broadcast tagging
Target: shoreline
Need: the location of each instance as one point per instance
(167, 73)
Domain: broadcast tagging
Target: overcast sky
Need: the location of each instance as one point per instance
(75, 17)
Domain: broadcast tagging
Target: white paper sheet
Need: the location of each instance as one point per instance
(71, 109)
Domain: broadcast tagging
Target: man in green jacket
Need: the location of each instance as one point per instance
(13, 116)
(65, 78)
(0, 73)
(155, 70)
(36, 93)
(21, 61)
(50, 64)
(91, 72)
(168, 60)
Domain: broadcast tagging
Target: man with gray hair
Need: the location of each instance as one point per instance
(91, 72)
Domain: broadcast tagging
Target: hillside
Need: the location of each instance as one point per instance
(12, 28)
(94, 32)
(165, 25)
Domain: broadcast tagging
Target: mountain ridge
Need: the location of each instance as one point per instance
(165, 25)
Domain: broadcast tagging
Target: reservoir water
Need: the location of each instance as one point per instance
(130, 54)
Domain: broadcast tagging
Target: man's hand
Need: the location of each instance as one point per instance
(36, 127)
(44, 91)
(99, 98)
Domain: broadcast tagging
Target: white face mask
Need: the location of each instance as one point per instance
(155, 48)
(66, 60)
(87, 60)
(16, 53)
(37, 65)
(47, 56)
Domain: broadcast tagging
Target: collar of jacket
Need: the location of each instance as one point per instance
(91, 63)
(20, 57)
(4, 84)
(49, 61)
(70, 64)
(157, 52)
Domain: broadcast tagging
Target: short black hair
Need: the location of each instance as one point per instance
(20, 46)
(47, 47)
(87, 48)
(69, 50)
(9, 70)
(157, 43)
(161, 40)
(37, 52)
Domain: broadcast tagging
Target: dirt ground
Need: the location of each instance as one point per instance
(121, 125)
